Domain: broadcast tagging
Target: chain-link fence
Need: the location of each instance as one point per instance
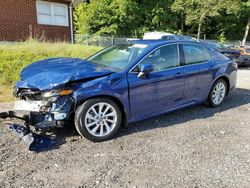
(97, 40)
(104, 41)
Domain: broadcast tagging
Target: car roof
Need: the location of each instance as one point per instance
(161, 42)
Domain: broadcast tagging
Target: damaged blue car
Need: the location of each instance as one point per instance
(122, 84)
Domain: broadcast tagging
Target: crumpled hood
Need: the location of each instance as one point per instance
(50, 73)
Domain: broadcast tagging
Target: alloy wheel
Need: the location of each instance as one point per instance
(100, 119)
(218, 93)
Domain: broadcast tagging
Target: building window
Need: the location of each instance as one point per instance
(52, 13)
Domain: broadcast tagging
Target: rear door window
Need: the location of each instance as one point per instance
(195, 54)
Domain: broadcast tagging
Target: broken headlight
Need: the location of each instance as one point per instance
(57, 93)
(57, 100)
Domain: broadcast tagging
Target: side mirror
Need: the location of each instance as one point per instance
(145, 69)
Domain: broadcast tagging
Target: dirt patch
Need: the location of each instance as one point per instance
(6, 106)
(195, 147)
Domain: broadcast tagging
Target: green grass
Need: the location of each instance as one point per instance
(6, 93)
(14, 57)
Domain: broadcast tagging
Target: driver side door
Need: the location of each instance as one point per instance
(162, 89)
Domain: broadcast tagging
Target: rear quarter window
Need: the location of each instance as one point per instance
(195, 54)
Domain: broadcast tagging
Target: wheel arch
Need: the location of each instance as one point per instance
(114, 99)
(226, 79)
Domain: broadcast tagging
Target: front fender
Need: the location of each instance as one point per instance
(114, 85)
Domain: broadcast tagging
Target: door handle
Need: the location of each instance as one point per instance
(178, 74)
(213, 66)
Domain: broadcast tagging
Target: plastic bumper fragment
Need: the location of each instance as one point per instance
(34, 142)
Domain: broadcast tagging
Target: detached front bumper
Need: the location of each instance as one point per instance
(34, 142)
(51, 115)
(46, 115)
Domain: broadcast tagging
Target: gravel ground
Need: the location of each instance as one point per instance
(195, 147)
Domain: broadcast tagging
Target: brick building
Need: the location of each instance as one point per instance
(50, 20)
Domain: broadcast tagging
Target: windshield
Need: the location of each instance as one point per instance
(118, 56)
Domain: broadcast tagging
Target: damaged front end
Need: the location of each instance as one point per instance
(46, 89)
(53, 107)
(44, 111)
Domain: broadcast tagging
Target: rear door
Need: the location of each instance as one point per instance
(198, 72)
(162, 89)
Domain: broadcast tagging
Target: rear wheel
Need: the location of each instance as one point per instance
(218, 93)
(98, 119)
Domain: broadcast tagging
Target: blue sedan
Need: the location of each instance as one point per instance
(124, 83)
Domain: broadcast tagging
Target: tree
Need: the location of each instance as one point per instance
(155, 15)
(116, 17)
(246, 32)
(124, 17)
(246, 6)
(224, 19)
(197, 11)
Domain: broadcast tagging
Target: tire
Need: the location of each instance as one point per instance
(95, 124)
(217, 93)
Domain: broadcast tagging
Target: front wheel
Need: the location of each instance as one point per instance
(98, 119)
(217, 93)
